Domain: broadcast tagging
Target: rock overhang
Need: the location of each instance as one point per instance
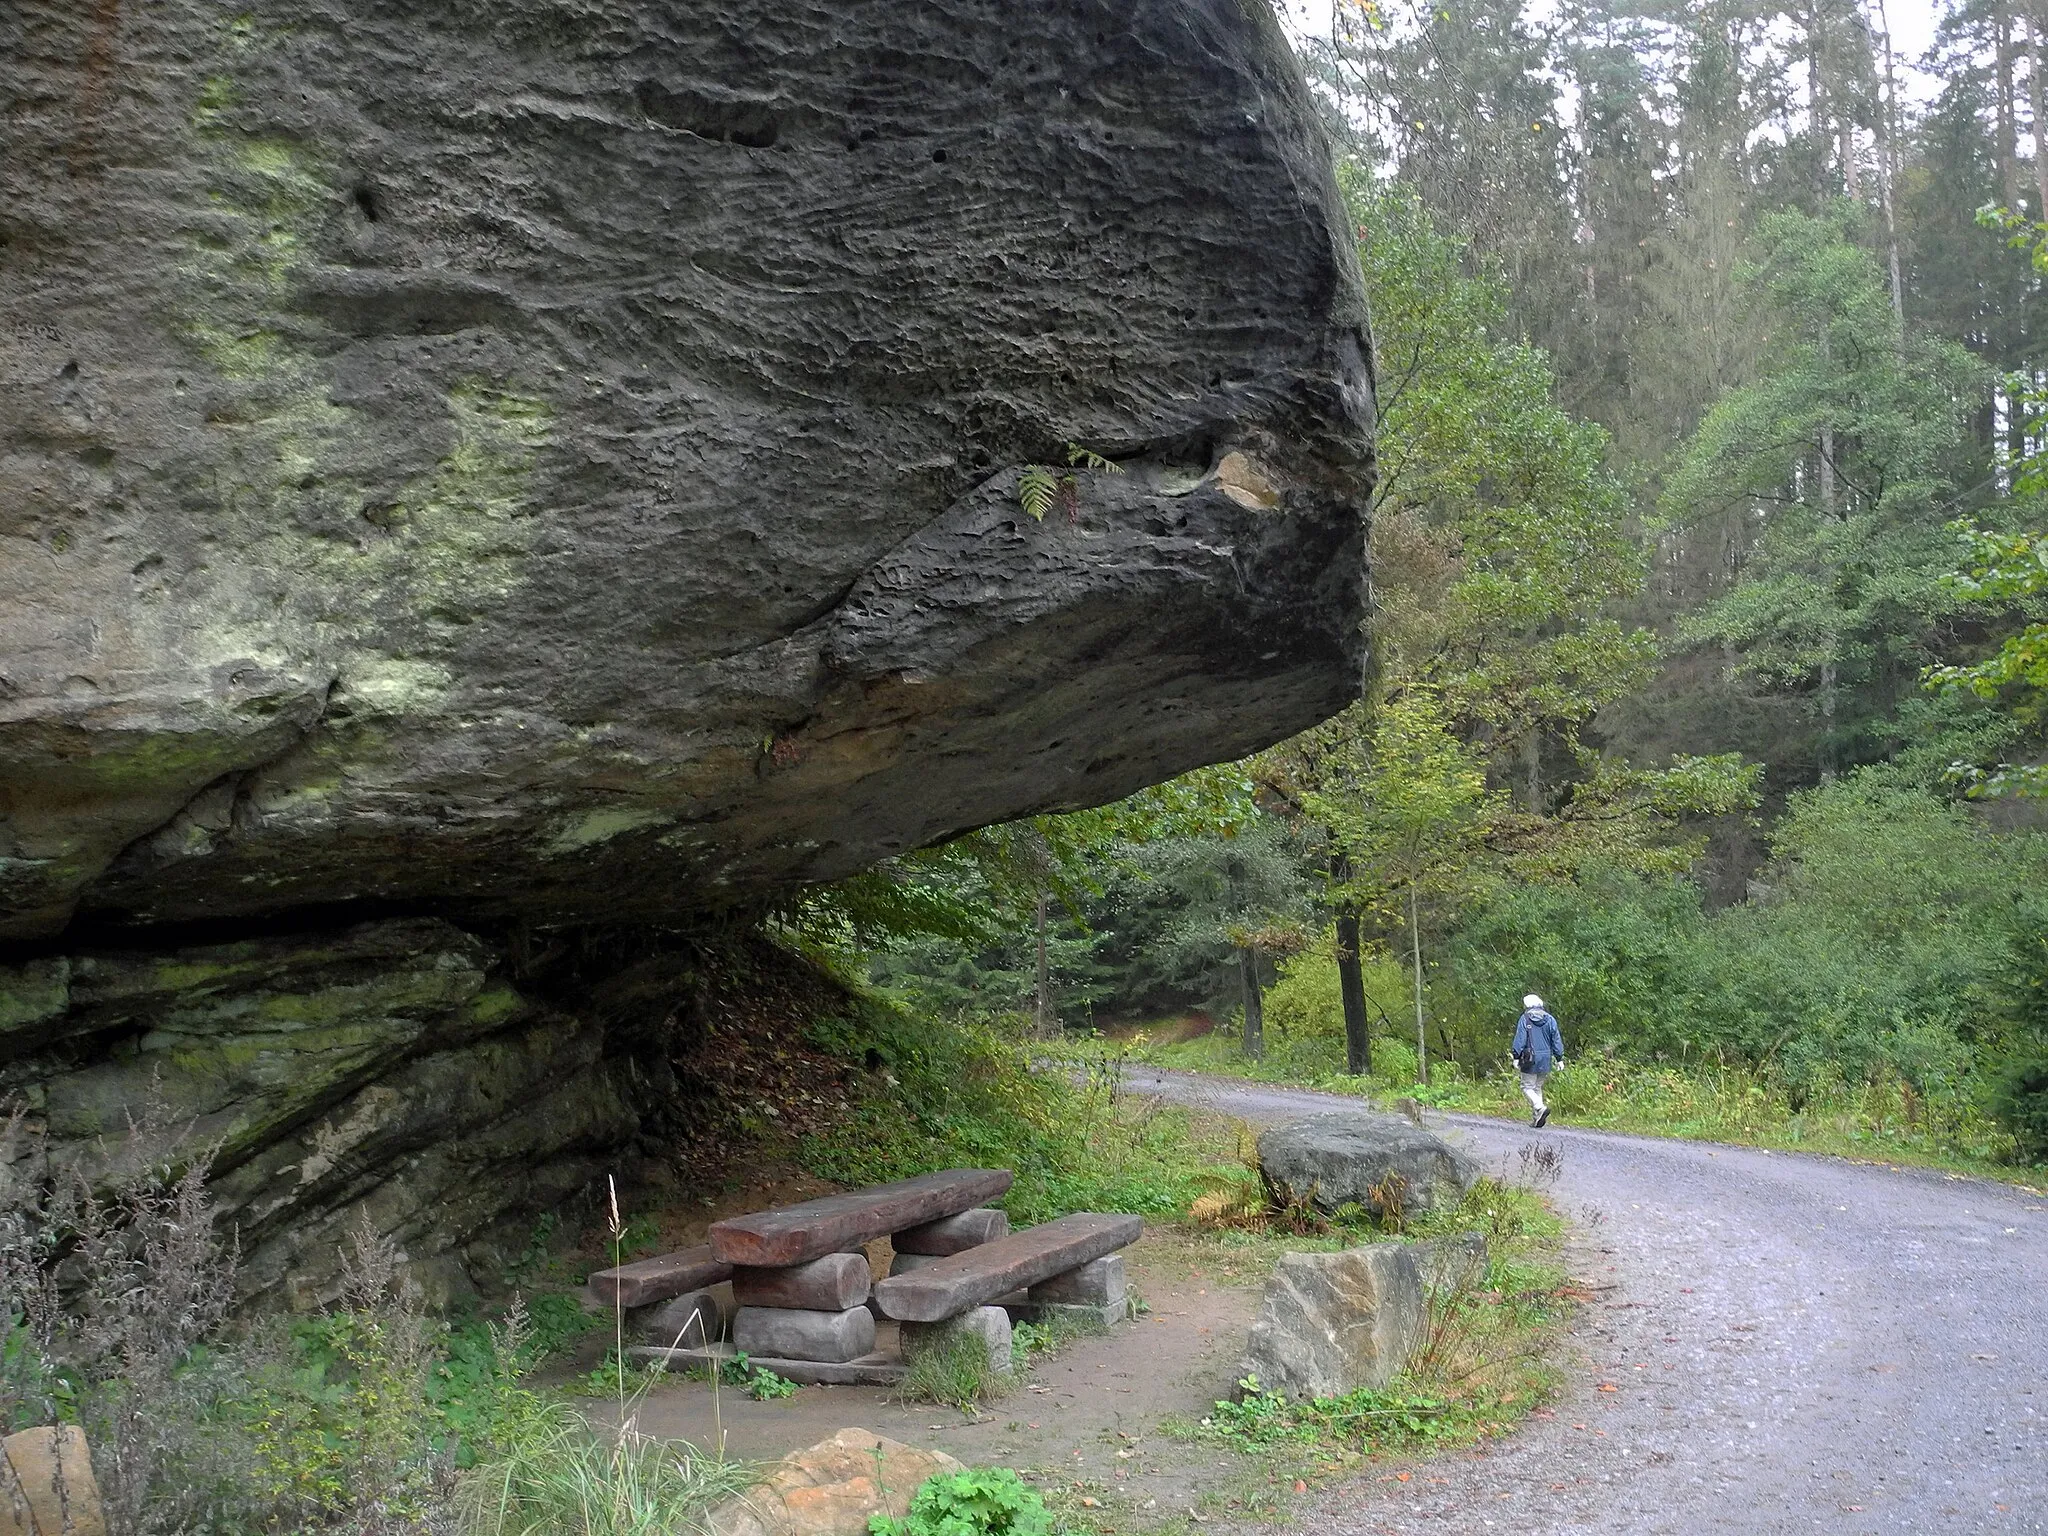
(573, 475)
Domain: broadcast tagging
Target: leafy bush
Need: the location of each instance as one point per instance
(983, 1501)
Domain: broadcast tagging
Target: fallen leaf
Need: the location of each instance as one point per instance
(1300, 1486)
(1089, 1503)
(1401, 1477)
(1608, 1386)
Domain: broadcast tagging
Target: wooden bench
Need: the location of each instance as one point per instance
(839, 1223)
(646, 1281)
(949, 1286)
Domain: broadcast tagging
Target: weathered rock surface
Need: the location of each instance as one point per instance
(833, 1488)
(1331, 1323)
(474, 485)
(1350, 1157)
(515, 468)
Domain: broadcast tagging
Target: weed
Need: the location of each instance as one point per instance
(957, 1373)
(1030, 1342)
(983, 1501)
(765, 1386)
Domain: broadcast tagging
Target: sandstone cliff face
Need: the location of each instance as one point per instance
(532, 464)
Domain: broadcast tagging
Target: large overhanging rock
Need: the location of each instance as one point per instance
(563, 462)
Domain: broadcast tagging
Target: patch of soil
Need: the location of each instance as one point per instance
(1085, 1421)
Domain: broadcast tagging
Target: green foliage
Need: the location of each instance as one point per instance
(1258, 1419)
(944, 1093)
(1041, 487)
(1304, 1004)
(762, 1385)
(982, 1501)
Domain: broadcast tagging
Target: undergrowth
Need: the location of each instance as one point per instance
(1483, 1361)
(375, 1418)
(966, 1091)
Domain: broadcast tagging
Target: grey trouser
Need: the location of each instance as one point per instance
(1532, 1089)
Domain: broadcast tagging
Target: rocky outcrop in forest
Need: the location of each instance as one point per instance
(479, 472)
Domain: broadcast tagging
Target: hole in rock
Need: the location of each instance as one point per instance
(366, 203)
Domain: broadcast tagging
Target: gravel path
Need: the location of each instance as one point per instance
(1792, 1343)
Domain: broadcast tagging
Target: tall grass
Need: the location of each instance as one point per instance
(561, 1476)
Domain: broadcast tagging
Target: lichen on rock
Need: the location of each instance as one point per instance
(456, 466)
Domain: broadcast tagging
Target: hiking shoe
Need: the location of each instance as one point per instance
(1542, 1117)
(1535, 1119)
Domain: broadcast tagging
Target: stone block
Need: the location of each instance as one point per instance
(695, 1318)
(47, 1486)
(1354, 1158)
(832, 1489)
(1331, 1323)
(830, 1284)
(797, 1334)
(875, 1369)
(904, 1263)
(1098, 1283)
(1078, 1319)
(952, 1234)
(988, 1326)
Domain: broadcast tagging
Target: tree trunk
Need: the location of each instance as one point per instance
(1351, 979)
(1254, 1007)
(1043, 1025)
(2034, 101)
(1415, 950)
(1817, 107)
(2007, 112)
(1888, 170)
(1827, 721)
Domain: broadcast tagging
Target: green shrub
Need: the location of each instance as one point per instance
(2019, 1098)
(982, 1501)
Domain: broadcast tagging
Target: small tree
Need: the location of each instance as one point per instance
(1411, 821)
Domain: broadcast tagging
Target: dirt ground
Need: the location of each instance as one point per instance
(1084, 1422)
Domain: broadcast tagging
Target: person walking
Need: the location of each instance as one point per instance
(1538, 1051)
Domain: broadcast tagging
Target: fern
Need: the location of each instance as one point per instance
(1040, 488)
(1037, 489)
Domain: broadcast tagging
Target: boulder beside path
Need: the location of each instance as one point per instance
(832, 1488)
(1359, 1158)
(1332, 1323)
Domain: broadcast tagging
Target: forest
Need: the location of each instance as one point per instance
(1709, 593)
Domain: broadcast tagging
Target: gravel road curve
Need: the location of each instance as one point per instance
(1792, 1343)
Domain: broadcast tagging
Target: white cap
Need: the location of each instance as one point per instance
(1532, 1001)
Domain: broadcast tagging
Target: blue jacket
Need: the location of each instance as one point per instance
(1536, 1033)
